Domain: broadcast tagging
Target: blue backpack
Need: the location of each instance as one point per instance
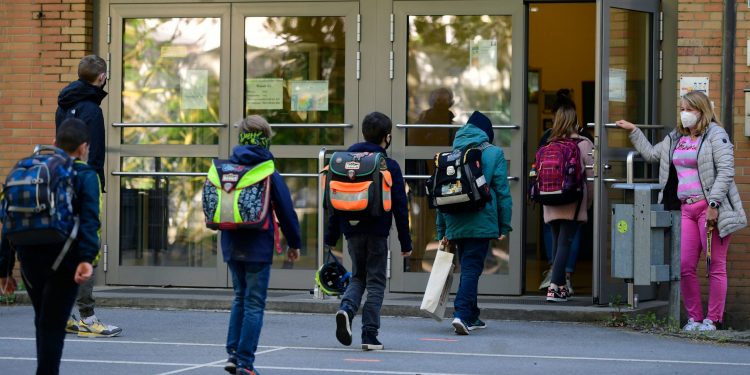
(37, 201)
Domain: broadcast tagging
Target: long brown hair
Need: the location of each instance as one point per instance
(565, 124)
(698, 101)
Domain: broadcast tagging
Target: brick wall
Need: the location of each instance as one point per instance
(41, 43)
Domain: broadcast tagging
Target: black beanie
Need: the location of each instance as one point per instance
(481, 121)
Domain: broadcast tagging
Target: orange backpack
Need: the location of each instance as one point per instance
(357, 185)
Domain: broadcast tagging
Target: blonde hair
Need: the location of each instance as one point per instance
(698, 101)
(565, 124)
(254, 123)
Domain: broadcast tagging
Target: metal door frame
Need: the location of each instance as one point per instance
(603, 288)
(510, 283)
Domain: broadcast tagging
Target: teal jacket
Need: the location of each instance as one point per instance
(494, 219)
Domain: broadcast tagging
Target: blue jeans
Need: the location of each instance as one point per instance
(563, 233)
(570, 265)
(369, 258)
(250, 282)
(471, 254)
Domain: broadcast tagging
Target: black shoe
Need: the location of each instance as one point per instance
(370, 341)
(460, 327)
(344, 327)
(559, 294)
(230, 365)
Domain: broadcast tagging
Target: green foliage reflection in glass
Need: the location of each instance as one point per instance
(175, 233)
(469, 55)
(171, 70)
(299, 49)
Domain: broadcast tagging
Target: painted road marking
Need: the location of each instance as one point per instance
(440, 340)
(422, 352)
(193, 367)
(361, 360)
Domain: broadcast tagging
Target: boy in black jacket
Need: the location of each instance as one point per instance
(52, 292)
(368, 243)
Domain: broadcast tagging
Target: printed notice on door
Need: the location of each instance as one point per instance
(688, 84)
(618, 79)
(483, 54)
(264, 93)
(309, 95)
(194, 89)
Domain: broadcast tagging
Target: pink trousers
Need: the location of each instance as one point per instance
(693, 243)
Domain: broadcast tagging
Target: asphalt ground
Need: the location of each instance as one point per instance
(192, 342)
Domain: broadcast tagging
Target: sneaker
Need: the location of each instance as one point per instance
(92, 327)
(707, 325)
(547, 279)
(691, 325)
(246, 371)
(230, 365)
(569, 285)
(477, 324)
(559, 294)
(370, 341)
(72, 325)
(460, 327)
(344, 327)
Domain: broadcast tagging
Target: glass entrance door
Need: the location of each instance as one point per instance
(626, 85)
(169, 111)
(181, 77)
(450, 59)
(295, 65)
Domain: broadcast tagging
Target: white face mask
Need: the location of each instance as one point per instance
(689, 119)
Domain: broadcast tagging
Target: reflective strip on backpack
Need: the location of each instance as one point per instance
(440, 201)
(256, 174)
(386, 184)
(349, 196)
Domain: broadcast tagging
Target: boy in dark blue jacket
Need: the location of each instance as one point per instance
(249, 252)
(53, 292)
(368, 242)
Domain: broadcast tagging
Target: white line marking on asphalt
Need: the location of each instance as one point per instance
(487, 355)
(329, 370)
(193, 367)
(271, 350)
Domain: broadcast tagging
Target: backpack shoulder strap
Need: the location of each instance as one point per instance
(484, 146)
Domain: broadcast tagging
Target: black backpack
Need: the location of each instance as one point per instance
(358, 185)
(458, 184)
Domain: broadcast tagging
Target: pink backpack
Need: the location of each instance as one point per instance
(558, 175)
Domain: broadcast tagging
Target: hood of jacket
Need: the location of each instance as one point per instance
(469, 136)
(366, 147)
(250, 155)
(78, 91)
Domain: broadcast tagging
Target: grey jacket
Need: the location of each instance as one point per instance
(715, 171)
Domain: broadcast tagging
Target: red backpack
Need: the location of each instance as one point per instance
(558, 177)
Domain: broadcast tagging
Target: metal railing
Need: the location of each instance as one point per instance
(168, 125)
(452, 126)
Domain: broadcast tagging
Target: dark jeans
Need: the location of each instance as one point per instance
(563, 232)
(369, 258)
(471, 254)
(575, 247)
(250, 282)
(52, 294)
(85, 298)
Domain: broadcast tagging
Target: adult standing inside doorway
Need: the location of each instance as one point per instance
(81, 99)
(696, 168)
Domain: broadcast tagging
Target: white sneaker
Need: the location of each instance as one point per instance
(708, 325)
(691, 325)
(569, 284)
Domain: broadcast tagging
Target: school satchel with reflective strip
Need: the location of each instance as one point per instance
(559, 177)
(358, 185)
(458, 184)
(38, 201)
(237, 196)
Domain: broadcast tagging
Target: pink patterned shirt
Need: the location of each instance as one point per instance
(685, 160)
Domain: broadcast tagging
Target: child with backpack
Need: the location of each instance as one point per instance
(473, 229)
(367, 236)
(248, 246)
(561, 188)
(52, 272)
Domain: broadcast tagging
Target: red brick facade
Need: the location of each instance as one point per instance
(41, 43)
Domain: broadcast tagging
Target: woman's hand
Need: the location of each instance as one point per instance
(625, 125)
(712, 214)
